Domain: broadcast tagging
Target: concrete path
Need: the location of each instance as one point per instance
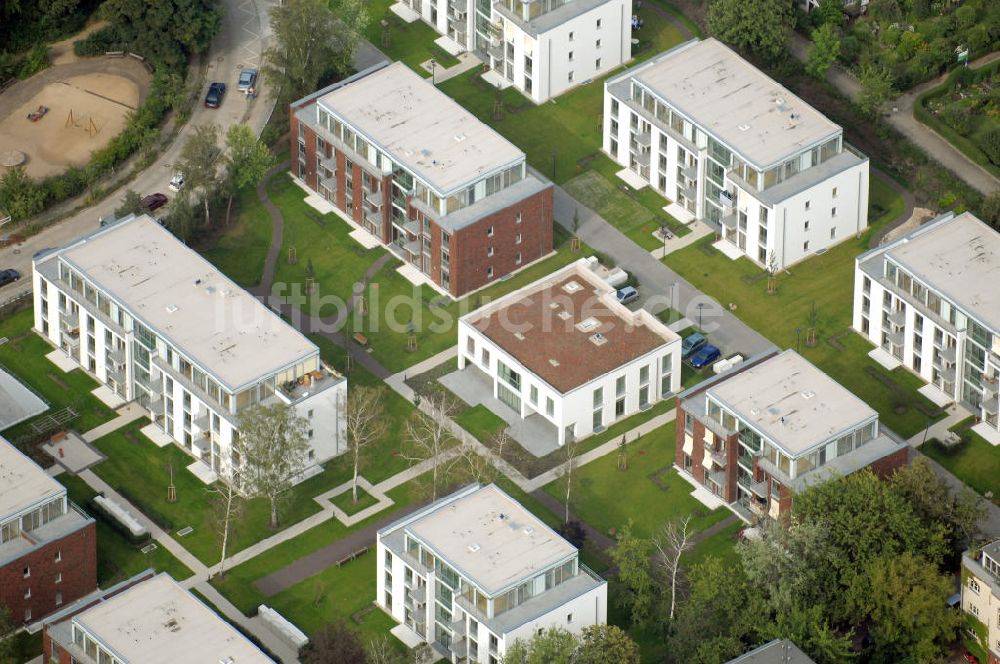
(277, 229)
(466, 61)
(130, 412)
(698, 231)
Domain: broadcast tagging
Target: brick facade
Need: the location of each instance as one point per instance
(469, 261)
(74, 557)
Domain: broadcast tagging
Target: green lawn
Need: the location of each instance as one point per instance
(240, 251)
(565, 132)
(413, 43)
(345, 501)
(237, 585)
(480, 422)
(825, 281)
(604, 196)
(118, 558)
(722, 545)
(23, 355)
(650, 492)
(975, 461)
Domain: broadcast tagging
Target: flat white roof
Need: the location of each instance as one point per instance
(745, 108)
(791, 402)
(23, 483)
(183, 297)
(158, 622)
(490, 538)
(960, 258)
(421, 127)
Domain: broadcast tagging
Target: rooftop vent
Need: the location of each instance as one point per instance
(565, 315)
(808, 394)
(553, 305)
(598, 339)
(460, 137)
(554, 362)
(587, 324)
(744, 127)
(171, 308)
(227, 660)
(473, 547)
(571, 287)
(519, 336)
(528, 530)
(780, 103)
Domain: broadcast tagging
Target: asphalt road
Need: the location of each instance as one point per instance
(239, 44)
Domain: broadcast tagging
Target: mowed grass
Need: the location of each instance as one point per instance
(650, 493)
(975, 461)
(599, 193)
(826, 282)
(118, 558)
(23, 355)
(241, 249)
(413, 43)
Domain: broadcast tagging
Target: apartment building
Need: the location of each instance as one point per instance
(48, 546)
(773, 426)
(161, 326)
(981, 595)
(443, 191)
(148, 619)
(930, 300)
(564, 349)
(475, 571)
(732, 147)
(543, 47)
(778, 651)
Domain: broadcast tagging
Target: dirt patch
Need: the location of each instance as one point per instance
(61, 52)
(919, 216)
(88, 101)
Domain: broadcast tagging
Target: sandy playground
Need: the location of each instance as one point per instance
(88, 101)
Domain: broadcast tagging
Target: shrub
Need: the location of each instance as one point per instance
(958, 118)
(36, 61)
(990, 145)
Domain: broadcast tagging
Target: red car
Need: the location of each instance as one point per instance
(154, 201)
(969, 657)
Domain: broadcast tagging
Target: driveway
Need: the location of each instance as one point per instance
(659, 286)
(240, 43)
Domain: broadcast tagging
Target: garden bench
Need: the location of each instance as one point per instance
(361, 339)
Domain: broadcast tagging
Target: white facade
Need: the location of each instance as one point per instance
(770, 193)
(445, 604)
(603, 398)
(930, 300)
(112, 338)
(543, 48)
(981, 594)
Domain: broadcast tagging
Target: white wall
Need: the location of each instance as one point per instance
(327, 423)
(590, 608)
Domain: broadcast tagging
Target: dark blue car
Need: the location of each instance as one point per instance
(706, 356)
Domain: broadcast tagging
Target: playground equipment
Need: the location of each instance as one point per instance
(86, 122)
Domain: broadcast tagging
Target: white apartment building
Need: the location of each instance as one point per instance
(930, 300)
(161, 326)
(541, 47)
(730, 146)
(475, 571)
(981, 594)
(564, 349)
(148, 619)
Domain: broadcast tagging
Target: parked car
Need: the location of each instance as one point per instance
(692, 343)
(969, 658)
(216, 91)
(627, 294)
(9, 276)
(705, 356)
(154, 201)
(247, 79)
(177, 182)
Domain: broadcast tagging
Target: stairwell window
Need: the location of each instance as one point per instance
(489, 251)
(833, 212)
(571, 56)
(517, 259)
(489, 231)
(517, 239)
(805, 246)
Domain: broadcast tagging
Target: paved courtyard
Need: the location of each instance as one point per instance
(534, 433)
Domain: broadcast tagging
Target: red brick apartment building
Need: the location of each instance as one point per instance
(439, 188)
(774, 425)
(48, 547)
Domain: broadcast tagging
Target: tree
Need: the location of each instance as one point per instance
(272, 445)
(364, 419)
(166, 29)
(227, 505)
(813, 319)
(199, 162)
(876, 88)
(8, 645)
(631, 555)
(829, 12)
(312, 42)
(990, 210)
(807, 628)
(131, 204)
(824, 50)
(554, 645)
(181, 219)
(906, 600)
(760, 26)
(19, 195)
(335, 643)
(989, 143)
(772, 273)
(670, 544)
(566, 472)
(428, 436)
(606, 644)
(247, 160)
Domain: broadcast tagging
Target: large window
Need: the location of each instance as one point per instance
(509, 376)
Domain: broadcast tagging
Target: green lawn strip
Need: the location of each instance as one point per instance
(23, 355)
(140, 471)
(413, 43)
(118, 558)
(975, 461)
(603, 197)
(653, 202)
(566, 131)
(240, 250)
(237, 585)
(650, 492)
(722, 545)
(345, 501)
(481, 422)
(826, 281)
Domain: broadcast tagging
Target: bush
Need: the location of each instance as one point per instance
(36, 61)
(958, 118)
(99, 42)
(990, 145)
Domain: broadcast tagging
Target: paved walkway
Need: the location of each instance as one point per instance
(698, 231)
(277, 229)
(130, 412)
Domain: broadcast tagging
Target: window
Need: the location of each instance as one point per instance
(597, 63)
(973, 584)
(807, 226)
(833, 212)
(569, 77)
(58, 556)
(549, 406)
(27, 594)
(533, 394)
(597, 44)
(489, 272)
(58, 598)
(489, 252)
(310, 414)
(833, 232)
(58, 577)
(834, 192)
(517, 258)
(805, 246)
(517, 219)
(571, 39)
(27, 572)
(598, 24)
(489, 231)
(517, 239)
(808, 203)
(571, 55)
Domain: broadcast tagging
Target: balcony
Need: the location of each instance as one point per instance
(117, 357)
(690, 172)
(189, 385)
(72, 340)
(759, 489)
(68, 320)
(496, 51)
(374, 218)
(718, 457)
(152, 385)
(117, 375)
(201, 421)
(645, 139)
(948, 374)
(458, 628)
(374, 199)
(330, 184)
(459, 648)
(412, 227)
(456, 12)
(329, 163)
(642, 157)
(719, 477)
(418, 594)
(896, 338)
(690, 192)
(311, 383)
(730, 220)
(898, 317)
(991, 407)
